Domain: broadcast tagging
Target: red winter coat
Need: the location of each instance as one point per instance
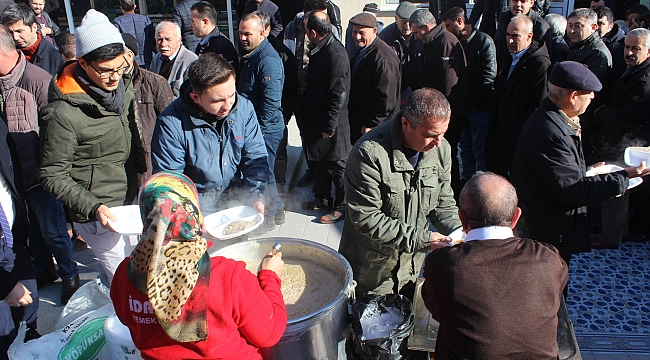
(245, 313)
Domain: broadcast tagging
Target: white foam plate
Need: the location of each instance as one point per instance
(217, 222)
(633, 156)
(128, 221)
(457, 236)
(613, 168)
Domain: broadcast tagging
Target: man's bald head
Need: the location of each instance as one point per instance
(488, 199)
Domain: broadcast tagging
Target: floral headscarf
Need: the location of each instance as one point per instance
(170, 263)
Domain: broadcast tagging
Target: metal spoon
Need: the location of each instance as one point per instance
(276, 248)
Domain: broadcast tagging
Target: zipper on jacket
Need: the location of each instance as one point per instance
(126, 138)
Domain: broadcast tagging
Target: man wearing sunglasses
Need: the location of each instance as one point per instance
(92, 156)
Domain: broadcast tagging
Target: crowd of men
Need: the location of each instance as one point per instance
(402, 123)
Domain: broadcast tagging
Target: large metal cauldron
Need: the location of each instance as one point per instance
(321, 334)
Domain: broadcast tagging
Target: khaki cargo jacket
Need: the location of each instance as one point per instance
(386, 233)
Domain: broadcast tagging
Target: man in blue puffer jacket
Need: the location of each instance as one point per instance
(261, 78)
(209, 133)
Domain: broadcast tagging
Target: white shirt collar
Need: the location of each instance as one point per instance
(489, 232)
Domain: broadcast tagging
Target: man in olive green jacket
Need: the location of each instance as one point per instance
(91, 152)
(397, 177)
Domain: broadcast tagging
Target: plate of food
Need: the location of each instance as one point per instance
(129, 220)
(605, 169)
(233, 222)
(457, 236)
(634, 155)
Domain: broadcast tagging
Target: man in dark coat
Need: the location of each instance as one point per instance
(445, 69)
(520, 88)
(327, 139)
(482, 64)
(17, 275)
(541, 30)
(203, 19)
(409, 50)
(21, 22)
(469, 283)
(627, 113)
(614, 38)
(586, 46)
(549, 170)
(375, 84)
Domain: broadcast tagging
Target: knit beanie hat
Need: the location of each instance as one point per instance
(94, 32)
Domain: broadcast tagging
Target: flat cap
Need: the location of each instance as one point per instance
(364, 20)
(405, 10)
(574, 76)
(371, 7)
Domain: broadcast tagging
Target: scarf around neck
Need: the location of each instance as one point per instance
(170, 263)
(112, 101)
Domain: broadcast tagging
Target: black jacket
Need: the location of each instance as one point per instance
(517, 98)
(270, 9)
(554, 192)
(219, 44)
(593, 53)
(374, 88)
(328, 86)
(627, 114)
(47, 57)
(15, 264)
(410, 56)
(488, 12)
(480, 53)
(615, 42)
(560, 49)
(541, 34)
(445, 69)
(152, 94)
(290, 86)
(439, 7)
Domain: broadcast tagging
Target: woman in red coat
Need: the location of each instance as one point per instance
(178, 302)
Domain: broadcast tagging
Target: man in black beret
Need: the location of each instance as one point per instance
(375, 78)
(549, 167)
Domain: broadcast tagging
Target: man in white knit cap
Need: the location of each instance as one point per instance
(92, 154)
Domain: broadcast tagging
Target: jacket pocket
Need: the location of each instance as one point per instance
(394, 204)
(431, 185)
(89, 182)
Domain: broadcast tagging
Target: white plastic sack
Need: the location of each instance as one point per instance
(82, 339)
(119, 342)
(91, 296)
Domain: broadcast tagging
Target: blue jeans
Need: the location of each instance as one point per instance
(49, 234)
(273, 202)
(472, 144)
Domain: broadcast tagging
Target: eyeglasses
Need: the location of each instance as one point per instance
(107, 74)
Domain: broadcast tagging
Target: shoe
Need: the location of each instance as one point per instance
(332, 217)
(31, 334)
(70, 286)
(306, 179)
(266, 226)
(598, 244)
(636, 237)
(279, 217)
(317, 204)
(46, 277)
